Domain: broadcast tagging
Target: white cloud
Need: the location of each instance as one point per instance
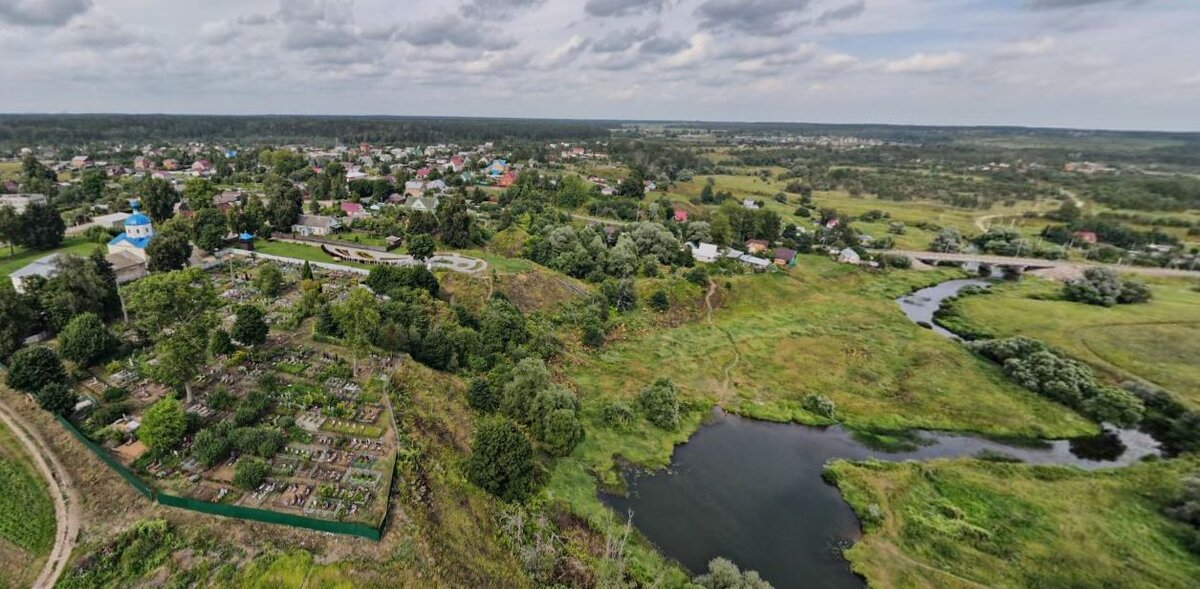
(1028, 47)
(923, 63)
(567, 52)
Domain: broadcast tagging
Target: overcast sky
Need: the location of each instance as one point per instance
(1131, 64)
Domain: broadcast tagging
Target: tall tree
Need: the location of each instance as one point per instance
(160, 301)
(16, 320)
(209, 229)
(249, 328)
(284, 203)
(11, 228)
(358, 318)
(169, 251)
(421, 246)
(457, 225)
(158, 198)
(42, 227)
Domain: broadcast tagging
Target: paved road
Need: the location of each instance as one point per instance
(1035, 262)
(66, 498)
(445, 261)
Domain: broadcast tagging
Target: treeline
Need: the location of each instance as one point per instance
(1146, 193)
(40, 129)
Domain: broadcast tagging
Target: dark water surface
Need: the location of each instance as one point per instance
(752, 491)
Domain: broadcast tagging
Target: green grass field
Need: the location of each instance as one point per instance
(71, 245)
(302, 252)
(968, 523)
(830, 329)
(27, 523)
(1158, 342)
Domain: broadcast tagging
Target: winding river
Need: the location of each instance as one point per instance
(752, 491)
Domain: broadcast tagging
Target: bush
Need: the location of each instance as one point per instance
(251, 409)
(1034, 366)
(617, 414)
(501, 460)
(249, 328)
(593, 335)
(1101, 286)
(269, 280)
(250, 473)
(389, 280)
(85, 339)
(482, 396)
(659, 301)
(698, 276)
(114, 394)
(659, 402)
(210, 447)
(219, 343)
(819, 405)
(34, 367)
(723, 574)
(554, 421)
(57, 398)
(221, 399)
(163, 425)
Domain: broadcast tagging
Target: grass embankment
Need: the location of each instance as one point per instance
(1158, 342)
(969, 523)
(27, 523)
(78, 245)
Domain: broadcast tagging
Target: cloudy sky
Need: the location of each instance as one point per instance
(1076, 63)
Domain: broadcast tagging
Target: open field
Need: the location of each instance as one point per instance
(968, 523)
(71, 245)
(27, 523)
(834, 330)
(1158, 342)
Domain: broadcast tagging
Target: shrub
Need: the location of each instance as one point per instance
(1101, 286)
(269, 280)
(163, 425)
(210, 447)
(501, 460)
(57, 398)
(249, 328)
(617, 414)
(593, 335)
(482, 396)
(659, 402)
(1034, 366)
(250, 473)
(85, 339)
(34, 367)
(219, 343)
(659, 301)
(819, 405)
(698, 276)
(221, 399)
(114, 394)
(251, 409)
(554, 421)
(723, 574)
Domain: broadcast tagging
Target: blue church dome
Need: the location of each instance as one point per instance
(136, 220)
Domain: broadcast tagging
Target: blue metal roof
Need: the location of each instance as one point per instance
(138, 242)
(245, 237)
(137, 219)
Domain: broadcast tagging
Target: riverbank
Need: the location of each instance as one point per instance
(970, 523)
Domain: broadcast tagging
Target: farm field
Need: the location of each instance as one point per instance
(969, 523)
(27, 523)
(1157, 342)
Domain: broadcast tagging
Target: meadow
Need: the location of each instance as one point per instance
(1157, 342)
(969, 523)
(27, 523)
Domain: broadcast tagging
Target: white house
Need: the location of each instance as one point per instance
(426, 204)
(307, 225)
(749, 204)
(705, 252)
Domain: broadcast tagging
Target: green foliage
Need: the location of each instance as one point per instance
(421, 246)
(1038, 368)
(249, 328)
(482, 396)
(501, 460)
(698, 276)
(56, 397)
(659, 301)
(529, 377)
(163, 425)
(114, 394)
(158, 198)
(210, 447)
(1101, 286)
(26, 511)
(620, 294)
(86, 339)
(553, 420)
(948, 240)
(17, 319)
(723, 574)
(269, 280)
(617, 414)
(219, 343)
(168, 251)
(819, 405)
(30, 369)
(250, 473)
(659, 403)
(251, 409)
(457, 225)
(209, 229)
(41, 227)
(389, 280)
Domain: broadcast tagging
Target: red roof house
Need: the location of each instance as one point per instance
(680, 216)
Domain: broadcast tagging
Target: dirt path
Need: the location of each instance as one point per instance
(982, 223)
(66, 498)
(737, 356)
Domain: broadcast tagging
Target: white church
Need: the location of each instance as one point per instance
(127, 251)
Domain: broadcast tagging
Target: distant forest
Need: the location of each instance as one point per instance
(43, 129)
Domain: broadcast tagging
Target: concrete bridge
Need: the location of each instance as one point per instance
(1022, 264)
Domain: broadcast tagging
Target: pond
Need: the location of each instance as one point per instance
(752, 491)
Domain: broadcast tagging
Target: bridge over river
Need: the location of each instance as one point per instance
(1033, 263)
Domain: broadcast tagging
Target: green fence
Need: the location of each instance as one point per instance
(125, 473)
(271, 517)
(235, 511)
